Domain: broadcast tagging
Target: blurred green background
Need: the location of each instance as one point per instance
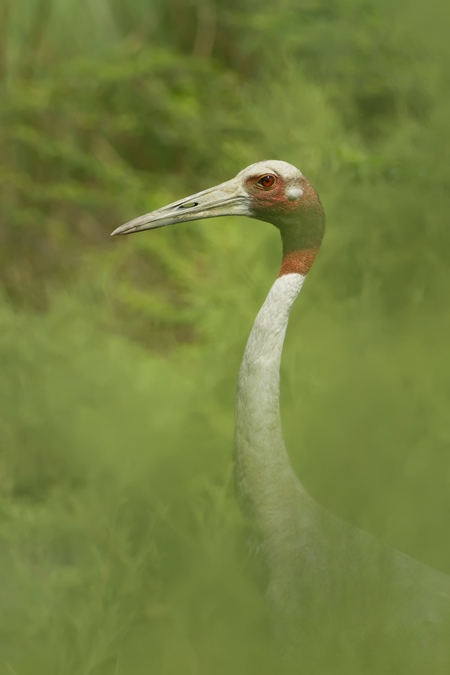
(121, 548)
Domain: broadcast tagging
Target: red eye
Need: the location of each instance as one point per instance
(266, 181)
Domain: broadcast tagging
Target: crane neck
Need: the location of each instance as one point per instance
(268, 490)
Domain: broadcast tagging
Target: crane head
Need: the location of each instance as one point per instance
(273, 191)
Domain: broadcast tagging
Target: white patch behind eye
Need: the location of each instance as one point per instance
(293, 193)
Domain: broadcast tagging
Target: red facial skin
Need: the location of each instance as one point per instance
(301, 221)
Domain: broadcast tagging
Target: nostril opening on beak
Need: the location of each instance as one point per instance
(189, 205)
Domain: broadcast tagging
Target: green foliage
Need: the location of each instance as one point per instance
(72, 149)
(122, 549)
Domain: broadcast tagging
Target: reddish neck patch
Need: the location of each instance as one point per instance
(298, 262)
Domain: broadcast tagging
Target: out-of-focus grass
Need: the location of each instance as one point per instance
(123, 550)
(119, 532)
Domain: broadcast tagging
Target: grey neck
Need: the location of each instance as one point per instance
(268, 490)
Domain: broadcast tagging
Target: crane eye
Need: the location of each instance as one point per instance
(266, 181)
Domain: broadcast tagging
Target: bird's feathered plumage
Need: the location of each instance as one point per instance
(331, 586)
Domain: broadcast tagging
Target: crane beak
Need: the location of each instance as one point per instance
(226, 199)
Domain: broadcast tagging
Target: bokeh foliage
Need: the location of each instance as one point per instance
(122, 549)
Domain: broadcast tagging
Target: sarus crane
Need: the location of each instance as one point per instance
(318, 566)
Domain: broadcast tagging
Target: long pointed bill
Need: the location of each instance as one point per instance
(227, 199)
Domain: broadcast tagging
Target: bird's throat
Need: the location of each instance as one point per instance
(298, 261)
